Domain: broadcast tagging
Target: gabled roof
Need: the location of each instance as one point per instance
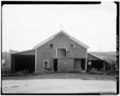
(96, 56)
(52, 37)
(106, 58)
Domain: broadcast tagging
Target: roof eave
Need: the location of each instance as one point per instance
(21, 52)
(96, 56)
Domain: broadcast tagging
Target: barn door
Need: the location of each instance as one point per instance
(55, 65)
(77, 65)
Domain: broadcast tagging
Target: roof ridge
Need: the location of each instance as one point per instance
(62, 31)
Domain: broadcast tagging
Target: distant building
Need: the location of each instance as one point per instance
(59, 53)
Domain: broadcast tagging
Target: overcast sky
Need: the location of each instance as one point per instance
(24, 26)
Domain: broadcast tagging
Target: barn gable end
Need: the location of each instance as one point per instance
(60, 34)
(62, 49)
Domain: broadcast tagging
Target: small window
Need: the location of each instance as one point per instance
(51, 45)
(89, 63)
(46, 64)
(72, 45)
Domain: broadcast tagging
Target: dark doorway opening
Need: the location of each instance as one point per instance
(97, 64)
(55, 65)
(24, 63)
(83, 64)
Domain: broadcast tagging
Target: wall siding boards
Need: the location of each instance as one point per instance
(61, 41)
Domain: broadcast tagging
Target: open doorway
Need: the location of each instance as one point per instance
(55, 65)
(83, 64)
(24, 63)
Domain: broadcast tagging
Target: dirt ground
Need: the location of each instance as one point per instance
(82, 76)
(50, 85)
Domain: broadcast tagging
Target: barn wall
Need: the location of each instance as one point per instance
(60, 41)
(44, 54)
(77, 52)
(65, 65)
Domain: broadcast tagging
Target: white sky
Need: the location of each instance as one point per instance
(24, 26)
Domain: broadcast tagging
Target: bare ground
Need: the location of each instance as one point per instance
(58, 86)
(61, 76)
(66, 83)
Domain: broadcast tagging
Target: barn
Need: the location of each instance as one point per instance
(59, 53)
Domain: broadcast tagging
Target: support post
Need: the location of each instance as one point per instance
(35, 61)
(86, 63)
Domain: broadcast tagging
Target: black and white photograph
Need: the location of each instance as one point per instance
(59, 48)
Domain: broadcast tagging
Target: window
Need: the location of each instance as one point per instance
(72, 45)
(46, 64)
(89, 63)
(51, 45)
(61, 53)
